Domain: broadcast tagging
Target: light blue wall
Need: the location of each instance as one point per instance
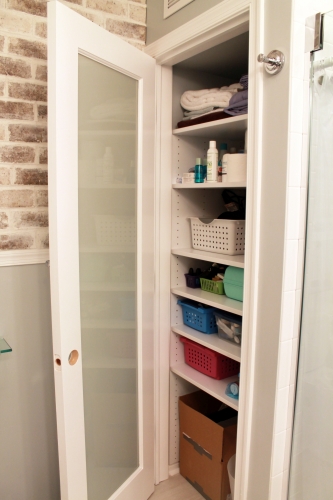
(158, 27)
(28, 436)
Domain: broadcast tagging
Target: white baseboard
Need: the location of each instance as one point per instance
(174, 469)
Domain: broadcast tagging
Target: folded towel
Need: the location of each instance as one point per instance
(244, 81)
(238, 104)
(198, 112)
(193, 100)
(237, 109)
(240, 96)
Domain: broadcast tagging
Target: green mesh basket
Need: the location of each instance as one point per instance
(212, 286)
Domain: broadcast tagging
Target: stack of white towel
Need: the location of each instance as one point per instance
(199, 102)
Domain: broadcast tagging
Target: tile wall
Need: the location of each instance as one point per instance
(294, 246)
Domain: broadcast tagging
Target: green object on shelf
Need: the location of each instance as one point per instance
(212, 286)
(234, 283)
(4, 346)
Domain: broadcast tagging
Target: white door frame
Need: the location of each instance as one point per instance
(205, 31)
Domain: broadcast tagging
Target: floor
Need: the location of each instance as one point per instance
(175, 488)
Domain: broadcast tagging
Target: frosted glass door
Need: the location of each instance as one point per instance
(101, 185)
(108, 106)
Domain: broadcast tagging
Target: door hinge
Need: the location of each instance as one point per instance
(314, 33)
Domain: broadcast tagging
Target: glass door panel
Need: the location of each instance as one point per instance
(107, 213)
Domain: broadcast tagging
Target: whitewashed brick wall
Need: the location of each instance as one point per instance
(23, 107)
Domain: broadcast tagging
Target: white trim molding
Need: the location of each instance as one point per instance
(23, 257)
(216, 25)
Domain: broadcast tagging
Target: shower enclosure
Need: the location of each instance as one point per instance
(311, 471)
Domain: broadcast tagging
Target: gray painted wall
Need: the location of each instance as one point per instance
(158, 27)
(28, 438)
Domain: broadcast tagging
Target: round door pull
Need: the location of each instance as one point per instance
(73, 357)
(273, 62)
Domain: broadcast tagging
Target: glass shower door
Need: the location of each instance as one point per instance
(311, 472)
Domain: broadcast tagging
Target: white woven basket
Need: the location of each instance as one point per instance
(218, 235)
(114, 230)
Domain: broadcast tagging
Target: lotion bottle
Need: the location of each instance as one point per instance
(212, 156)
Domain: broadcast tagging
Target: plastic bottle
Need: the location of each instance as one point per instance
(223, 151)
(200, 170)
(212, 155)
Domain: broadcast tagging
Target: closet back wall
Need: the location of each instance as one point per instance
(28, 451)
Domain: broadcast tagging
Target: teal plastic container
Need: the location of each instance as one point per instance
(234, 283)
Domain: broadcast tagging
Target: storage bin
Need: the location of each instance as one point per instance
(212, 286)
(234, 283)
(115, 230)
(218, 235)
(229, 326)
(192, 280)
(206, 445)
(198, 317)
(209, 362)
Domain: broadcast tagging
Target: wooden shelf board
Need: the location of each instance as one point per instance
(210, 299)
(219, 258)
(225, 347)
(215, 388)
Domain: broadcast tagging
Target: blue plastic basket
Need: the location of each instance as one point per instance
(198, 317)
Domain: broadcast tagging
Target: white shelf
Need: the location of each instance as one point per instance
(231, 128)
(210, 185)
(108, 324)
(219, 258)
(215, 388)
(101, 286)
(225, 347)
(210, 299)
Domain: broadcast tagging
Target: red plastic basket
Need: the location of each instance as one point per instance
(209, 362)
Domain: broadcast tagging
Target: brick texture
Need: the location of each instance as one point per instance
(17, 154)
(16, 241)
(35, 7)
(3, 220)
(30, 219)
(27, 133)
(28, 91)
(31, 176)
(16, 110)
(14, 67)
(127, 30)
(41, 73)
(23, 107)
(22, 47)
